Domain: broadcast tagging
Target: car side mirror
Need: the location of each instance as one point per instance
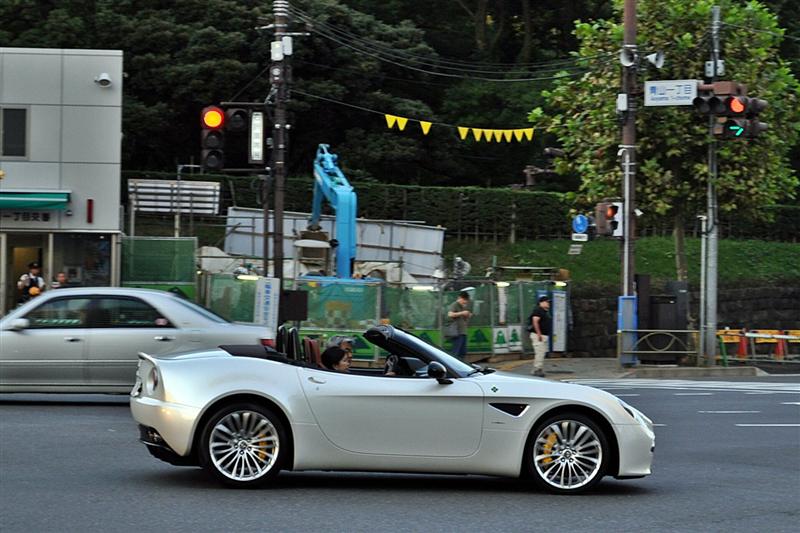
(18, 324)
(437, 371)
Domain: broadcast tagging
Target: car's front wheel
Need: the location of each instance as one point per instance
(566, 453)
(243, 445)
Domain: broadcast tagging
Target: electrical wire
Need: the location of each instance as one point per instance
(248, 84)
(391, 54)
(373, 74)
(371, 43)
(783, 36)
(449, 75)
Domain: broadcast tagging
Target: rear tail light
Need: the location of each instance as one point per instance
(268, 342)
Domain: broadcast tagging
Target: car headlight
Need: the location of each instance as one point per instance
(637, 415)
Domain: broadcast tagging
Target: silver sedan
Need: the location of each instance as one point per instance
(88, 339)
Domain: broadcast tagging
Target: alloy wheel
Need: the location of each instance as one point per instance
(567, 454)
(244, 445)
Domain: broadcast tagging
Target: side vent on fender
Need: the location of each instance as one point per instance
(513, 409)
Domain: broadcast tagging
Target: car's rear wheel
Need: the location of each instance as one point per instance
(566, 453)
(243, 445)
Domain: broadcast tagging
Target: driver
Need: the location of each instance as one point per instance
(334, 358)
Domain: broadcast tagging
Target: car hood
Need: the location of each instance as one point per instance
(508, 385)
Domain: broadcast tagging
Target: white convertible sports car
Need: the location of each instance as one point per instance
(244, 413)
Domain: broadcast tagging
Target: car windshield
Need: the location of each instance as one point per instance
(419, 345)
(200, 310)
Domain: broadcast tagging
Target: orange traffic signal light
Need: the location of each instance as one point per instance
(212, 117)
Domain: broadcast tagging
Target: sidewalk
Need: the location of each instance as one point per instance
(563, 368)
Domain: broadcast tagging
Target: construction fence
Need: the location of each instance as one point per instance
(498, 324)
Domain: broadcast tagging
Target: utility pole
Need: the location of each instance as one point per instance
(280, 94)
(628, 146)
(712, 222)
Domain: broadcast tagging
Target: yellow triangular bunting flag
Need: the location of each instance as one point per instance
(462, 132)
(401, 124)
(426, 127)
(488, 135)
(518, 135)
(507, 135)
(477, 132)
(528, 133)
(390, 120)
(498, 135)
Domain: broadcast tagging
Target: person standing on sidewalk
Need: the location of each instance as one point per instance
(460, 314)
(540, 327)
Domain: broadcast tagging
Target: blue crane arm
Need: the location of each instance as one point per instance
(330, 184)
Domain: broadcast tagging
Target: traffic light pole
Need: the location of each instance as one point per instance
(628, 149)
(709, 329)
(280, 10)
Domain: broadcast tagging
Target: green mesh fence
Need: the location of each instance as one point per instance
(158, 259)
(411, 309)
(231, 298)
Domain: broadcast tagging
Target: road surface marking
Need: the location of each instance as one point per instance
(625, 395)
(693, 394)
(727, 412)
(659, 425)
(769, 425)
(688, 385)
(790, 403)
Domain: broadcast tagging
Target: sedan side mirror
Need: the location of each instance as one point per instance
(437, 371)
(18, 324)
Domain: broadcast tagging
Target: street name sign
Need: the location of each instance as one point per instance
(669, 92)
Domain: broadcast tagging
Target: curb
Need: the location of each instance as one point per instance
(696, 372)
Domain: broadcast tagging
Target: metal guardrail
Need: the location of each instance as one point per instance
(671, 345)
(659, 344)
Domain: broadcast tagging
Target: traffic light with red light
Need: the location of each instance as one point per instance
(608, 219)
(212, 138)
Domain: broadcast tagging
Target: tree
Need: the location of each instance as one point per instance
(672, 141)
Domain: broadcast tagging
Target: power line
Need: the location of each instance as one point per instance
(471, 65)
(443, 74)
(391, 55)
(783, 36)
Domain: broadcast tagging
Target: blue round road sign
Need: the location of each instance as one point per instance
(580, 224)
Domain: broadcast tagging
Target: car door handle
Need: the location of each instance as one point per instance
(163, 338)
(72, 339)
(312, 379)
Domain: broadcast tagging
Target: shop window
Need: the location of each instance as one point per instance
(85, 258)
(60, 313)
(13, 132)
(124, 313)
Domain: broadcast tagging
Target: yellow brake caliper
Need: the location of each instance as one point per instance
(548, 447)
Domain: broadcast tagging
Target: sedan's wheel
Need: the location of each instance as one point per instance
(567, 453)
(243, 445)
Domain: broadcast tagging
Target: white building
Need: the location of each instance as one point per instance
(60, 135)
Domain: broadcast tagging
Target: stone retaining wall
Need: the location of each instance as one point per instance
(595, 319)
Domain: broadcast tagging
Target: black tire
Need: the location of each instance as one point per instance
(249, 445)
(567, 464)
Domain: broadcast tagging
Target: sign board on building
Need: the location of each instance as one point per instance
(669, 92)
(173, 196)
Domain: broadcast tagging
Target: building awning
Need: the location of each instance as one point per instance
(34, 200)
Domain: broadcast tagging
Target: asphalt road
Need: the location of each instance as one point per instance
(727, 459)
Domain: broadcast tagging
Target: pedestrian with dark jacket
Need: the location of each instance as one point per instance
(540, 327)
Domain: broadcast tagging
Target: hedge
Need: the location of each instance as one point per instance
(474, 212)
